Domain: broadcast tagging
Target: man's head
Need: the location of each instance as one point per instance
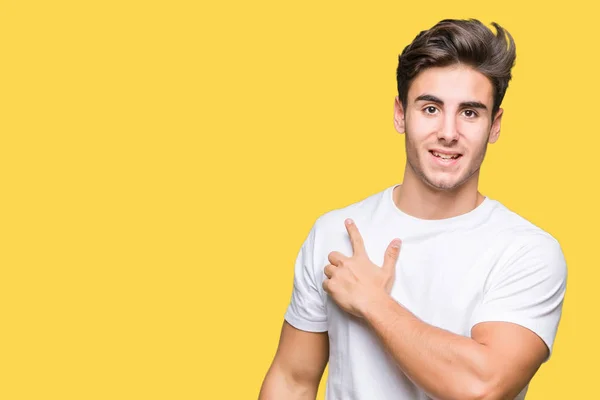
(451, 82)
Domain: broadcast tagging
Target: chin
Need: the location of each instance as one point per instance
(440, 180)
(444, 184)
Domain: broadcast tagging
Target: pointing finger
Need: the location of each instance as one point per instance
(356, 239)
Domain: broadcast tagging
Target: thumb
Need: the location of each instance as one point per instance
(391, 255)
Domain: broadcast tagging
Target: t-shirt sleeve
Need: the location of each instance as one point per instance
(529, 289)
(306, 310)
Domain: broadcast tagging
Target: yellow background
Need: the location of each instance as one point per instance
(162, 162)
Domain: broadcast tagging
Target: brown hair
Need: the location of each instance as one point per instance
(453, 41)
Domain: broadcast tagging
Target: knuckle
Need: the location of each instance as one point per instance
(330, 286)
(331, 257)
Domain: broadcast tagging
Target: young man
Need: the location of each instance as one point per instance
(469, 305)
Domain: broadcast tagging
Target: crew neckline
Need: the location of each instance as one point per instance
(474, 215)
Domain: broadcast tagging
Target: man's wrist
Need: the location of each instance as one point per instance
(375, 304)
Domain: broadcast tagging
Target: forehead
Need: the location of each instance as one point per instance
(452, 84)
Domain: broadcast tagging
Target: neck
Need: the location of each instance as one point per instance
(416, 198)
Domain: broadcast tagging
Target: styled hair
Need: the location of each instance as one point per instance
(453, 41)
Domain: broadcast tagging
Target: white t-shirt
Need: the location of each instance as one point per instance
(489, 264)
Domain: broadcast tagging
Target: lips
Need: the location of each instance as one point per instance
(444, 158)
(445, 155)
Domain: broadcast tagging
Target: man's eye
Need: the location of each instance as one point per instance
(470, 113)
(430, 110)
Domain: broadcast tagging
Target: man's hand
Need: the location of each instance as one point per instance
(353, 282)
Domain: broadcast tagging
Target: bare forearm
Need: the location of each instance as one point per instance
(446, 365)
(279, 386)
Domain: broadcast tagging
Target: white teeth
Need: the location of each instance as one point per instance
(445, 156)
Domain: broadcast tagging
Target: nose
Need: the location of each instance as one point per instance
(448, 132)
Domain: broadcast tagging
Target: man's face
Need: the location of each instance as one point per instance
(448, 124)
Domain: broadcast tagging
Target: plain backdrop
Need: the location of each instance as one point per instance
(161, 163)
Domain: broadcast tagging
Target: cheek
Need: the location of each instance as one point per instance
(420, 127)
(475, 135)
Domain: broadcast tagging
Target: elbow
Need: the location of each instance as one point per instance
(483, 390)
(475, 388)
(469, 390)
(472, 391)
(481, 387)
(479, 392)
(484, 383)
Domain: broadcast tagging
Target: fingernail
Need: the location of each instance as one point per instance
(349, 221)
(396, 243)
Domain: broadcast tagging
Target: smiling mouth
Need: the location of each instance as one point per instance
(445, 156)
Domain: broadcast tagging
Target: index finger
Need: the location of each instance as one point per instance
(356, 239)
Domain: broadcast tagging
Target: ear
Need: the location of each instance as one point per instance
(399, 116)
(495, 129)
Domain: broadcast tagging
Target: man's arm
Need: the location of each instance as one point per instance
(298, 365)
(495, 363)
(499, 358)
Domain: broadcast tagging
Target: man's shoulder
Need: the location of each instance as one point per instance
(521, 235)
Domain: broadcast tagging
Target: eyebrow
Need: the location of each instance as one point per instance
(469, 104)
